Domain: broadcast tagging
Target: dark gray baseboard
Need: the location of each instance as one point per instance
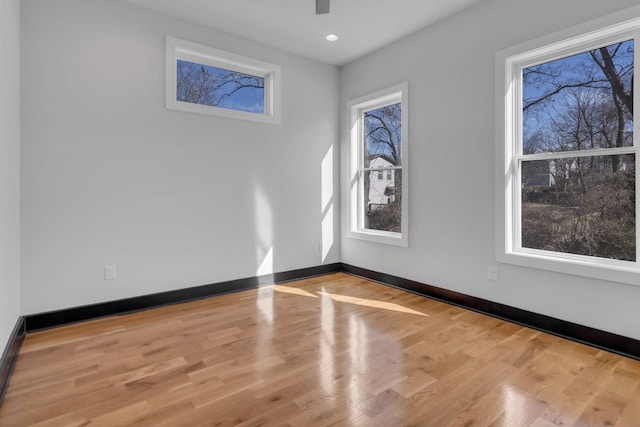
(10, 355)
(56, 318)
(614, 343)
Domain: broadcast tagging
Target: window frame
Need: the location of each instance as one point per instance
(177, 49)
(508, 101)
(356, 109)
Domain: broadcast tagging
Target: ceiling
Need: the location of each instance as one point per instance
(292, 25)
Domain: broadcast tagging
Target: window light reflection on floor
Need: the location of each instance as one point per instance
(349, 300)
(373, 303)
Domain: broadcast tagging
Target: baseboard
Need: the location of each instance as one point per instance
(51, 319)
(10, 355)
(614, 343)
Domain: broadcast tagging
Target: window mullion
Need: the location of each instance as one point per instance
(580, 153)
(384, 168)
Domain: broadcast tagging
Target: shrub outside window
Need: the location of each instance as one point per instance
(566, 181)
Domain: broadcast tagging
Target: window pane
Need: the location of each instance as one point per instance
(383, 136)
(383, 202)
(202, 84)
(579, 102)
(583, 206)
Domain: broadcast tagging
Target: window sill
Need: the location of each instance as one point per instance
(385, 237)
(594, 268)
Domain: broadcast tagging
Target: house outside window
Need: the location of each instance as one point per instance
(379, 148)
(566, 179)
(381, 194)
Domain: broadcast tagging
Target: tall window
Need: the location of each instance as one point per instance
(205, 80)
(570, 155)
(378, 148)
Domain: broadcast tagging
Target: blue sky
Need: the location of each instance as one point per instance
(569, 70)
(247, 99)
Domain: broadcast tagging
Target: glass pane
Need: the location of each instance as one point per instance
(383, 201)
(583, 206)
(202, 84)
(579, 102)
(383, 136)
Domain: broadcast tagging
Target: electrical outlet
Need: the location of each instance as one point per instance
(492, 272)
(110, 272)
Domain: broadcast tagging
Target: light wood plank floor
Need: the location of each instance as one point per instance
(334, 350)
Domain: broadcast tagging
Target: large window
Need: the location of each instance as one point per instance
(567, 175)
(378, 149)
(205, 80)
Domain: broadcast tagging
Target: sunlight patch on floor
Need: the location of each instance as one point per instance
(294, 291)
(372, 303)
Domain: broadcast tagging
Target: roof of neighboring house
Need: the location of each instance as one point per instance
(385, 157)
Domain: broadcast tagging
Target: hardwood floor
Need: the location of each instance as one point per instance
(334, 350)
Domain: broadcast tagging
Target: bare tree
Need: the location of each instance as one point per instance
(580, 205)
(205, 85)
(383, 137)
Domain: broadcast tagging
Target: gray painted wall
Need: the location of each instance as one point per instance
(176, 200)
(450, 70)
(9, 167)
(172, 199)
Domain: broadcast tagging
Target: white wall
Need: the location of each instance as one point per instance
(173, 199)
(450, 70)
(9, 167)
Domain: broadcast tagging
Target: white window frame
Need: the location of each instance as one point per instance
(193, 52)
(357, 210)
(508, 100)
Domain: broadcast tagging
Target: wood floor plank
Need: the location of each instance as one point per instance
(334, 350)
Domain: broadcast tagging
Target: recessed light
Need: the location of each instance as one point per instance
(331, 37)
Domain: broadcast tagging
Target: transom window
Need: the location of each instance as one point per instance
(378, 150)
(567, 181)
(205, 80)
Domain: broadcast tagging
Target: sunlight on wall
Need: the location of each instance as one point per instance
(264, 256)
(266, 266)
(327, 203)
(264, 233)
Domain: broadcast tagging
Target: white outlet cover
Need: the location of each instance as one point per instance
(110, 272)
(492, 271)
